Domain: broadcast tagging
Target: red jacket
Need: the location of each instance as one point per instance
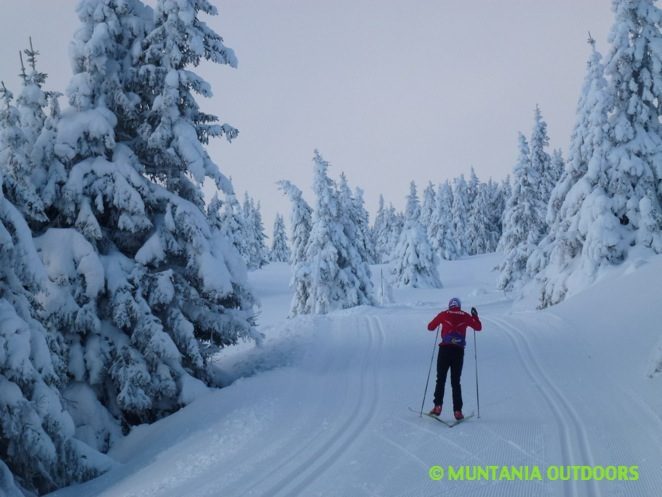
(454, 323)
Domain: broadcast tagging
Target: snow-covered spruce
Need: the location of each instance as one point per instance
(355, 220)
(280, 252)
(173, 131)
(15, 153)
(39, 112)
(460, 215)
(440, 230)
(228, 217)
(385, 232)
(611, 195)
(414, 263)
(40, 442)
(300, 228)
(148, 288)
(522, 225)
(473, 186)
(552, 262)
(541, 163)
(339, 276)
(428, 205)
(257, 254)
(482, 233)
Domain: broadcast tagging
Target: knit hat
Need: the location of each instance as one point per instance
(454, 302)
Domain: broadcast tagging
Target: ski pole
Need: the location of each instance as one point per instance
(429, 370)
(476, 363)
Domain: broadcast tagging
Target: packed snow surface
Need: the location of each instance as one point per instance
(321, 407)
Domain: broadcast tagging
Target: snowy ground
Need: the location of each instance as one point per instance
(321, 409)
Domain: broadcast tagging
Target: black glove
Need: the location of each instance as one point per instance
(474, 312)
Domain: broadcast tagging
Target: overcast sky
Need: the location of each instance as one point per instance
(387, 90)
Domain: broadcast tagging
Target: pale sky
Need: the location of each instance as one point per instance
(389, 91)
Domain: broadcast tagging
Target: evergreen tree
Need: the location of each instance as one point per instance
(339, 276)
(149, 289)
(557, 170)
(552, 261)
(441, 228)
(522, 227)
(232, 224)
(428, 205)
(634, 148)
(380, 232)
(256, 255)
(497, 205)
(48, 171)
(609, 195)
(472, 192)
(479, 232)
(15, 161)
(460, 214)
(301, 227)
(386, 232)
(506, 188)
(39, 444)
(541, 161)
(415, 265)
(280, 252)
(396, 225)
(364, 241)
(173, 129)
(355, 220)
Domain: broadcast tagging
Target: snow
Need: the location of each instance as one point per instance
(320, 407)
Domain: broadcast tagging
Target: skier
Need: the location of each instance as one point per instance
(454, 323)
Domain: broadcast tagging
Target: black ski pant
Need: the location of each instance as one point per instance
(450, 357)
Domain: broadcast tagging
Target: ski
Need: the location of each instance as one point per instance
(450, 424)
(457, 422)
(436, 418)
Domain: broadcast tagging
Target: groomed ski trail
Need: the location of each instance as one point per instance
(575, 446)
(335, 422)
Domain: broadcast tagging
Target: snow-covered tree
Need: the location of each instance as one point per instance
(472, 186)
(480, 229)
(174, 131)
(386, 231)
(39, 444)
(497, 205)
(634, 147)
(280, 252)
(609, 196)
(428, 205)
(257, 255)
(15, 159)
(541, 161)
(339, 276)
(231, 222)
(396, 223)
(415, 265)
(441, 228)
(48, 172)
(380, 232)
(149, 290)
(365, 242)
(300, 229)
(354, 218)
(552, 262)
(460, 215)
(522, 226)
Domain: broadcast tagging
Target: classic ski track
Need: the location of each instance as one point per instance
(554, 397)
(304, 473)
(277, 469)
(644, 407)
